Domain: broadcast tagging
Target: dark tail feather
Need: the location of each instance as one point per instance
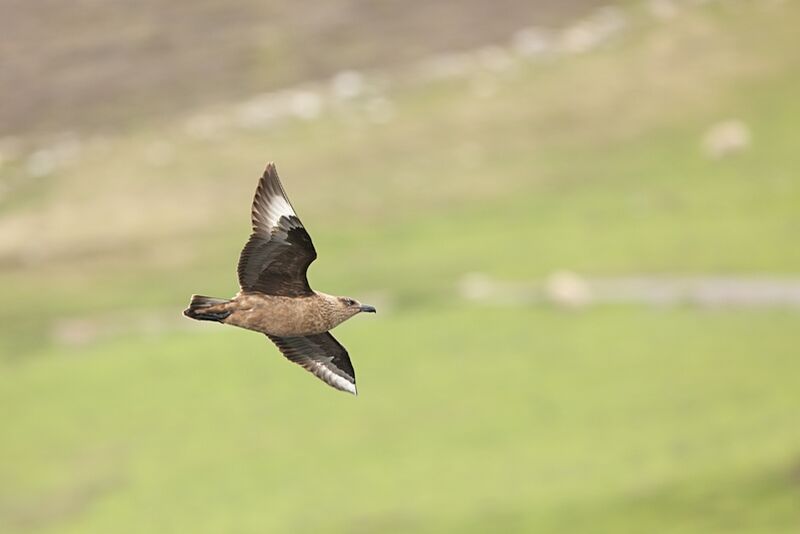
(206, 309)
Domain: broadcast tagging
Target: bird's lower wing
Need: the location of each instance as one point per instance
(321, 355)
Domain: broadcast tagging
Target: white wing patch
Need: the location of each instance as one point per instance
(274, 208)
(339, 382)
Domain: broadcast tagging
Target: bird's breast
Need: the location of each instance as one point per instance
(279, 316)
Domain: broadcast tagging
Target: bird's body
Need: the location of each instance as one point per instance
(283, 316)
(275, 297)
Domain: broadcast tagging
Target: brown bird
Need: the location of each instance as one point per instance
(275, 298)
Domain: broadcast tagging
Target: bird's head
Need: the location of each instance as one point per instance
(351, 307)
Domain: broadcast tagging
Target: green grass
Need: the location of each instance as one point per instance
(470, 418)
(540, 419)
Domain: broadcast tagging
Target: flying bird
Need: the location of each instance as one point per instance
(275, 297)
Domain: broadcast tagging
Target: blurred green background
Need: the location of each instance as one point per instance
(579, 223)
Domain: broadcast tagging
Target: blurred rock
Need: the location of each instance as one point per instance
(532, 42)
(347, 85)
(63, 151)
(476, 286)
(578, 39)
(260, 111)
(445, 66)
(305, 104)
(41, 163)
(593, 31)
(567, 289)
(726, 138)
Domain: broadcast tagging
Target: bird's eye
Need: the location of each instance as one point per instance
(349, 302)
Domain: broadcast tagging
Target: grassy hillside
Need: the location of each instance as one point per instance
(119, 415)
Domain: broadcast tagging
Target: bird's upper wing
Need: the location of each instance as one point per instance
(275, 259)
(322, 355)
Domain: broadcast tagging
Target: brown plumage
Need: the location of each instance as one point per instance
(275, 297)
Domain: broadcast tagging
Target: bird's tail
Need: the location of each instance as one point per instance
(207, 309)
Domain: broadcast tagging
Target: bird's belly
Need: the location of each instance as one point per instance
(278, 316)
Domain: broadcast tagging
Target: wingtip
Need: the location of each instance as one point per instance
(349, 387)
(270, 168)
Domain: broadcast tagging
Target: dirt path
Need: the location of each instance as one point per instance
(570, 290)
